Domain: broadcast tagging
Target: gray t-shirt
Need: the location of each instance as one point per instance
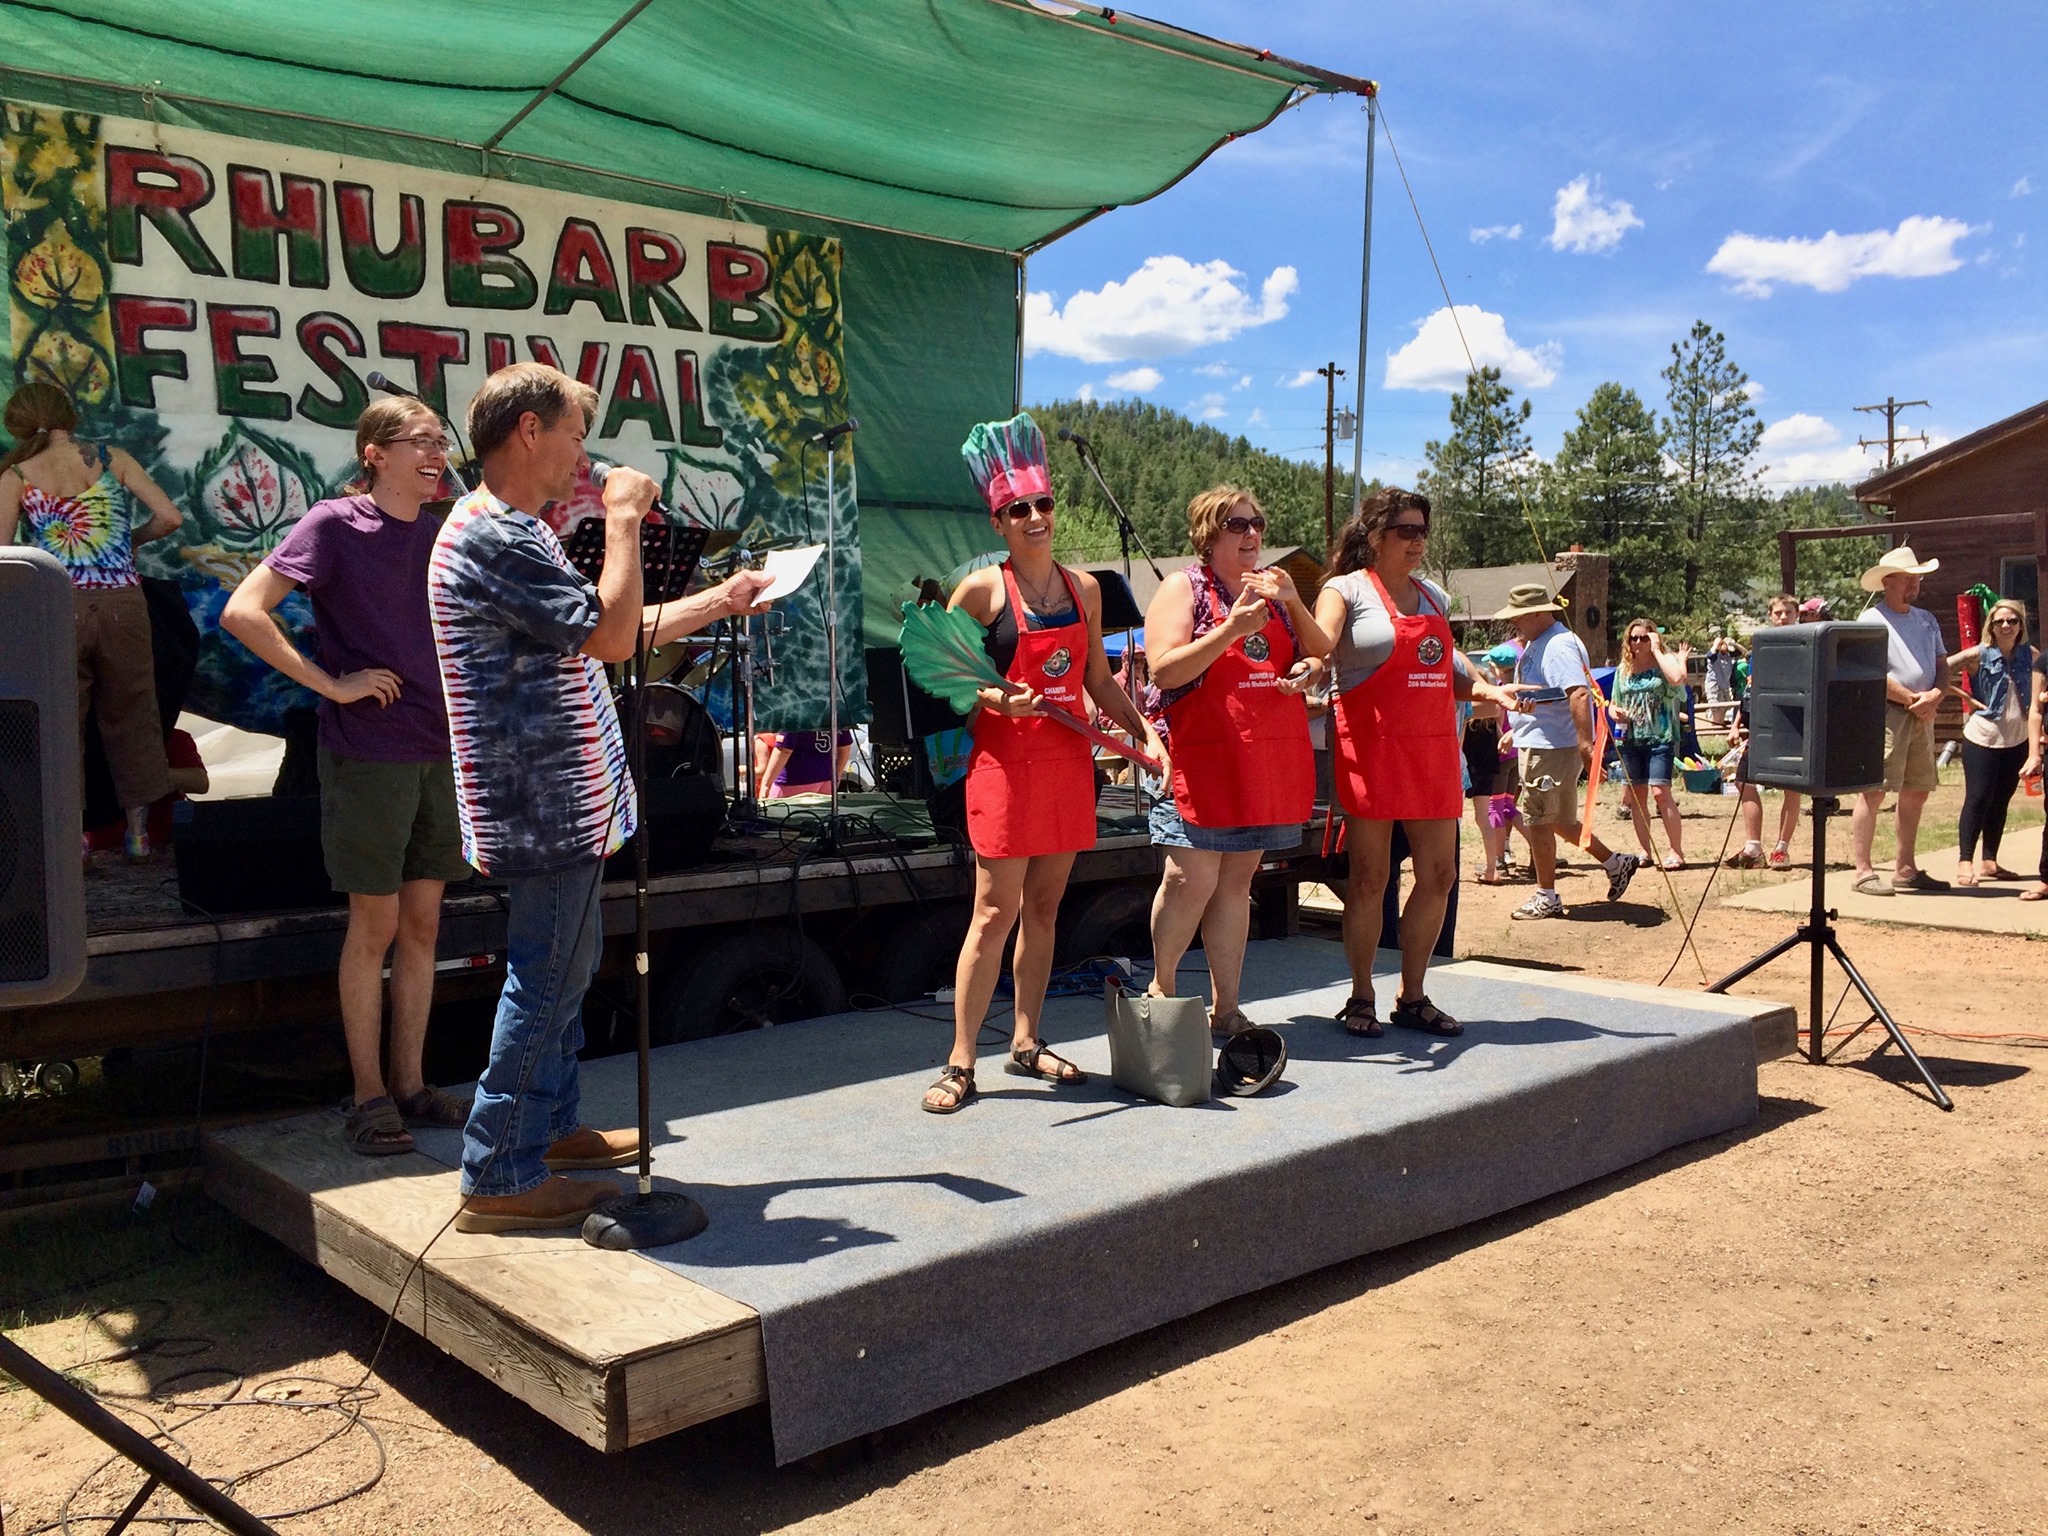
(1554, 659)
(1367, 638)
(1913, 652)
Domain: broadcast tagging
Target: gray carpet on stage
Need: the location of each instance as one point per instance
(901, 1261)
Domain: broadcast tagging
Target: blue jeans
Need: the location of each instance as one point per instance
(1645, 763)
(527, 1097)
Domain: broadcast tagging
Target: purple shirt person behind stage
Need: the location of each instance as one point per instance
(807, 761)
(366, 574)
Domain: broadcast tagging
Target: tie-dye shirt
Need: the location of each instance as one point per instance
(90, 533)
(540, 764)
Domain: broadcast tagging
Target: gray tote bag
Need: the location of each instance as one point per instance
(1158, 1046)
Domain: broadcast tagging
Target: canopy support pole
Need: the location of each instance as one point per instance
(560, 80)
(1372, 118)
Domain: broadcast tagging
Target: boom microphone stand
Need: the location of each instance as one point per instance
(830, 436)
(1126, 536)
(1817, 933)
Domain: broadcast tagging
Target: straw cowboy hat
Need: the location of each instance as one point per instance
(1896, 562)
(1532, 598)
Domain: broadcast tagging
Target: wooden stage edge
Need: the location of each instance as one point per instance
(615, 1349)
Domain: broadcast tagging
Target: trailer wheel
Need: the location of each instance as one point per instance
(1116, 920)
(918, 955)
(749, 979)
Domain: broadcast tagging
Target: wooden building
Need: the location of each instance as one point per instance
(1979, 505)
(1578, 577)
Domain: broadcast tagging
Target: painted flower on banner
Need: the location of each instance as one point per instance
(69, 360)
(247, 490)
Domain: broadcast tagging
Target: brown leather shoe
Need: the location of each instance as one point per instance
(559, 1202)
(587, 1148)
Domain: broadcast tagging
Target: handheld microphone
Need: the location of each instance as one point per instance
(817, 432)
(600, 471)
(384, 386)
(1067, 435)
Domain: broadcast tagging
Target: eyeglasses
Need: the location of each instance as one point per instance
(1638, 639)
(425, 444)
(1409, 530)
(1244, 525)
(2005, 623)
(1017, 511)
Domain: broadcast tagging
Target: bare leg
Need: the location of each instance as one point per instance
(1788, 817)
(1045, 881)
(998, 897)
(1574, 832)
(1674, 828)
(1226, 924)
(1863, 829)
(1433, 847)
(372, 925)
(1185, 886)
(1543, 849)
(1752, 807)
(1911, 803)
(412, 982)
(1370, 843)
(1493, 842)
(1635, 794)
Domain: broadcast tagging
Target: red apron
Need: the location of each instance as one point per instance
(1397, 755)
(1241, 755)
(1031, 781)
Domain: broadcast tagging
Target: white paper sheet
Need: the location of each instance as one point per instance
(790, 568)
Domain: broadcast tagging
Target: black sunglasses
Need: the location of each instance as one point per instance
(1017, 511)
(1244, 525)
(2005, 623)
(1409, 530)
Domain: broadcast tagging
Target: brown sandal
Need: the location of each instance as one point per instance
(1030, 1060)
(1224, 1025)
(958, 1082)
(432, 1108)
(374, 1129)
(1360, 1017)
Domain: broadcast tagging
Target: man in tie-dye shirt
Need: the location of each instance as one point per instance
(540, 770)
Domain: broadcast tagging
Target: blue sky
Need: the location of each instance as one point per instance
(1857, 195)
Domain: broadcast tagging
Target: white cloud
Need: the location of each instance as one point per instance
(1244, 382)
(1208, 408)
(1585, 222)
(1805, 449)
(1257, 419)
(1434, 359)
(2024, 187)
(1168, 306)
(1085, 393)
(1496, 232)
(1754, 391)
(1212, 370)
(1920, 247)
(1801, 430)
(1300, 380)
(1136, 380)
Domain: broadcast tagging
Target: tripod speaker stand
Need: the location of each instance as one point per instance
(1817, 933)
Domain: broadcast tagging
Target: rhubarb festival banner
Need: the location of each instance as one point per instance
(215, 305)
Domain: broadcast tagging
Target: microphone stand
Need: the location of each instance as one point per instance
(832, 841)
(1126, 536)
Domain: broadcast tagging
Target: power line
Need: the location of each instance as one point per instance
(1891, 439)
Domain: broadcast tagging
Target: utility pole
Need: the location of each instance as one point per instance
(1892, 440)
(1331, 374)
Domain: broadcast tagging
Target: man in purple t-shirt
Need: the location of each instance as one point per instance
(388, 821)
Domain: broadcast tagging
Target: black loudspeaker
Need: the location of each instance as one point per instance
(1816, 707)
(1120, 610)
(684, 814)
(261, 854)
(901, 710)
(42, 880)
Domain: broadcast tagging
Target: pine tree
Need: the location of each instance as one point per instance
(1711, 435)
(1476, 475)
(1608, 490)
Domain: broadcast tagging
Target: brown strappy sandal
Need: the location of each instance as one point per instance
(1361, 1018)
(957, 1083)
(1030, 1061)
(374, 1129)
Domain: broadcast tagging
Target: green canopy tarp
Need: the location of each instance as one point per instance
(980, 128)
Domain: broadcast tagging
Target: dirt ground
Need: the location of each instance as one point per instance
(1832, 1321)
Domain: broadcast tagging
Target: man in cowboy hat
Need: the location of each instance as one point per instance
(1554, 742)
(1916, 676)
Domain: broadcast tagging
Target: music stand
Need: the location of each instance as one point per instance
(669, 553)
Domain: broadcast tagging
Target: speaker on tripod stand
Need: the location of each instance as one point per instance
(1816, 725)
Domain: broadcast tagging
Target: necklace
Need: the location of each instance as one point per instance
(1040, 601)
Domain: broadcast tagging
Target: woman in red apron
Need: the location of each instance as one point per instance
(1232, 648)
(1030, 781)
(1396, 747)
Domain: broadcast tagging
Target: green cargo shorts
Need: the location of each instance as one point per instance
(382, 824)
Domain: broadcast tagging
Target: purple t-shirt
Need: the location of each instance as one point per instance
(366, 574)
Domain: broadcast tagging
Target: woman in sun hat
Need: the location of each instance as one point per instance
(1030, 781)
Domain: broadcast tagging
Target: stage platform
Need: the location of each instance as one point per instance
(868, 1263)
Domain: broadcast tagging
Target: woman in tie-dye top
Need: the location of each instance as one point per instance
(72, 501)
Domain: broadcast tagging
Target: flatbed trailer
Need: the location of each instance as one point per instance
(886, 921)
